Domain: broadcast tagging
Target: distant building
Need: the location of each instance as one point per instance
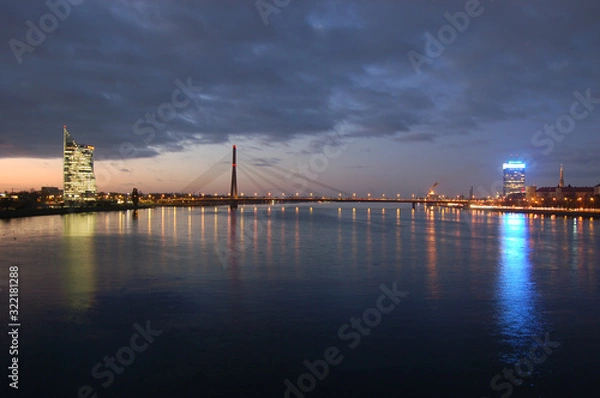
(51, 191)
(531, 193)
(561, 181)
(568, 192)
(514, 177)
(78, 167)
(561, 193)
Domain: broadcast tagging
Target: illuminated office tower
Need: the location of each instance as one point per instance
(78, 167)
(514, 177)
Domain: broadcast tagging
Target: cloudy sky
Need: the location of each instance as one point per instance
(362, 96)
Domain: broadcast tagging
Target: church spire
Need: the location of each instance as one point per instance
(561, 183)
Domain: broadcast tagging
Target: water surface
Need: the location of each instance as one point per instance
(243, 299)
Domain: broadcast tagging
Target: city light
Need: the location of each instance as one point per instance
(513, 165)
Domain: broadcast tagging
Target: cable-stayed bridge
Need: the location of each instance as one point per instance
(271, 179)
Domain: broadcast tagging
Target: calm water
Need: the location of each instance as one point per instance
(244, 299)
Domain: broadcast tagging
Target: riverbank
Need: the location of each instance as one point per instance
(8, 214)
(550, 211)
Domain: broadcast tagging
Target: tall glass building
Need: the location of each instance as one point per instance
(514, 177)
(78, 167)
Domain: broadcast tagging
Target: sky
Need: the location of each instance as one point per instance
(356, 96)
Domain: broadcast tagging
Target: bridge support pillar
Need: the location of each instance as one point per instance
(234, 189)
(413, 205)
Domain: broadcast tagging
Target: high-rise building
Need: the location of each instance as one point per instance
(514, 177)
(78, 167)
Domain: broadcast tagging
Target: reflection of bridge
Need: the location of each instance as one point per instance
(273, 172)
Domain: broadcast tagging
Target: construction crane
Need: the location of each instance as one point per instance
(431, 192)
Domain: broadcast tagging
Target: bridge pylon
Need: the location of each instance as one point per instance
(234, 187)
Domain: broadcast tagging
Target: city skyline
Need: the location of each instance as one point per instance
(163, 90)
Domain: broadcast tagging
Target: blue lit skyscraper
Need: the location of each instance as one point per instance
(514, 177)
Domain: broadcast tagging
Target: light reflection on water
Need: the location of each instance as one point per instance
(79, 261)
(302, 270)
(517, 296)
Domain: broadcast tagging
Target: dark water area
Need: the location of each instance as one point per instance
(314, 300)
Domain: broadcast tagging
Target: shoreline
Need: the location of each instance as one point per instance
(591, 213)
(10, 214)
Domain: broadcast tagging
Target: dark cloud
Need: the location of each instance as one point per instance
(318, 67)
(416, 137)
